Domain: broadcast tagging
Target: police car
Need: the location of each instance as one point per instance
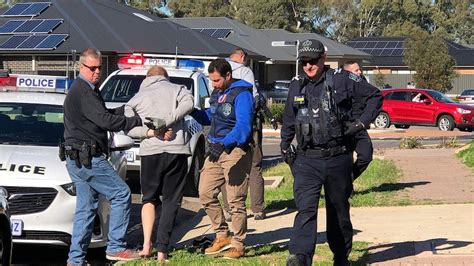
(121, 85)
(42, 197)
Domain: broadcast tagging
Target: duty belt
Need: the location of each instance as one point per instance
(319, 153)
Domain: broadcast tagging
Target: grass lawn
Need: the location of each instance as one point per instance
(467, 155)
(376, 187)
(261, 255)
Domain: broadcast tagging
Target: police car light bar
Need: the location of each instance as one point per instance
(39, 83)
(139, 61)
(134, 60)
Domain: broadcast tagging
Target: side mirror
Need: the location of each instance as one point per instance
(121, 142)
(206, 102)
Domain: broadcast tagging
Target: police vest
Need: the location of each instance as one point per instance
(318, 121)
(224, 119)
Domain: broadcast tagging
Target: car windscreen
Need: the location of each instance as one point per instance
(281, 86)
(467, 92)
(121, 88)
(439, 97)
(31, 124)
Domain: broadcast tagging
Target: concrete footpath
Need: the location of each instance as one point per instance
(413, 235)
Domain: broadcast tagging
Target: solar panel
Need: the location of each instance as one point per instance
(360, 45)
(370, 44)
(16, 9)
(13, 41)
(208, 31)
(52, 41)
(377, 52)
(391, 44)
(397, 52)
(47, 26)
(35, 9)
(399, 45)
(28, 25)
(10, 26)
(380, 44)
(32, 42)
(221, 33)
(369, 51)
(386, 52)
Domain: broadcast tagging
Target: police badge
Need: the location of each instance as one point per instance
(226, 109)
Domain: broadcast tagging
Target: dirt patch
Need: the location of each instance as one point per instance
(433, 175)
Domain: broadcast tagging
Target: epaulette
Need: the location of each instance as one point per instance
(354, 77)
(338, 71)
(302, 80)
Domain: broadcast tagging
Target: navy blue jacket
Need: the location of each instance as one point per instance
(355, 97)
(231, 132)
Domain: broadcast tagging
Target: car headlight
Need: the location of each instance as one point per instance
(3, 192)
(69, 188)
(463, 111)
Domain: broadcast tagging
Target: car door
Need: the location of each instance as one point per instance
(422, 108)
(399, 106)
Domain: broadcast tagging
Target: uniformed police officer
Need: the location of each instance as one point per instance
(362, 143)
(318, 112)
(86, 121)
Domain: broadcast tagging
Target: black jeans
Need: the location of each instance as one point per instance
(164, 174)
(310, 175)
(364, 150)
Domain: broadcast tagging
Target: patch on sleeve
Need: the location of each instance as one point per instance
(354, 77)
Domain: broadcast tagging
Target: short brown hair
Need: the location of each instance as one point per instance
(157, 71)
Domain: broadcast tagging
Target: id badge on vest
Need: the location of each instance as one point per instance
(299, 100)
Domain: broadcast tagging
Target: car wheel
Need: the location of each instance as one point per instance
(446, 123)
(402, 126)
(382, 120)
(192, 179)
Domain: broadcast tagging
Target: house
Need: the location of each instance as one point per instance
(45, 37)
(387, 58)
(281, 61)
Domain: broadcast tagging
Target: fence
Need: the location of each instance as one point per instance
(400, 81)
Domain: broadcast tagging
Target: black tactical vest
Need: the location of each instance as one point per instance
(318, 121)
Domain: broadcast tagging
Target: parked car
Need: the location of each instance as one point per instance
(466, 97)
(277, 91)
(405, 107)
(5, 230)
(42, 197)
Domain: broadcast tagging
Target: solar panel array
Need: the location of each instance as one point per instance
(379, 48)
(218, 33)
(36, 42)
(26, 9)
(30, 26)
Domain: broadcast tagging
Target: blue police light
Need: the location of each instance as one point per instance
(191, 64)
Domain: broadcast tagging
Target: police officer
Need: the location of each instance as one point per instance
(86, 122)
(229, 158)
(362, 143)
(318, 112)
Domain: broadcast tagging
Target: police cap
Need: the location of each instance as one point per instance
(310, 48)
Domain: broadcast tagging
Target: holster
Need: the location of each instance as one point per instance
(85, 155)
(62, 152)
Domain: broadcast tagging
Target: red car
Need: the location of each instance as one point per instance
(405, 107)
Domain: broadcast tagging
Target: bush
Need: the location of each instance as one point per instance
(411, 143)
(277, 110)
(449, 143)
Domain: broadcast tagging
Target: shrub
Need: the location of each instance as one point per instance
(410, 143)
(277, 111)
(449, 143)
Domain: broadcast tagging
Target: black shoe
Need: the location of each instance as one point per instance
(294, 260)
(341, 262)
(259, 216)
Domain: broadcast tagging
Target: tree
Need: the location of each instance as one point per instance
(428, 56)
(379, 79)
(199, 8)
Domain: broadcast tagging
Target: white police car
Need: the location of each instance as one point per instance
(42, 196)
(121, 85)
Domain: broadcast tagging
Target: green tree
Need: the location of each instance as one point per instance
(199, 8)
(428, 56)
(379, 79)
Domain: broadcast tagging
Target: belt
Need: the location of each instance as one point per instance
(318, 153)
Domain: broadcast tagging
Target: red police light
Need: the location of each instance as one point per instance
(134, 60)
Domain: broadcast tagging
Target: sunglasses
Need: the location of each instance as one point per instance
(92, 68)
(313, 61)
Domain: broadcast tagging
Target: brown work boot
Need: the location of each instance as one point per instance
(234, 253)
(220, 244)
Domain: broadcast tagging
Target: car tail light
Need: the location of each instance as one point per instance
(135, 60)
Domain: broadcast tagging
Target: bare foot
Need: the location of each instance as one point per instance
(162, 257)
(146, 251)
